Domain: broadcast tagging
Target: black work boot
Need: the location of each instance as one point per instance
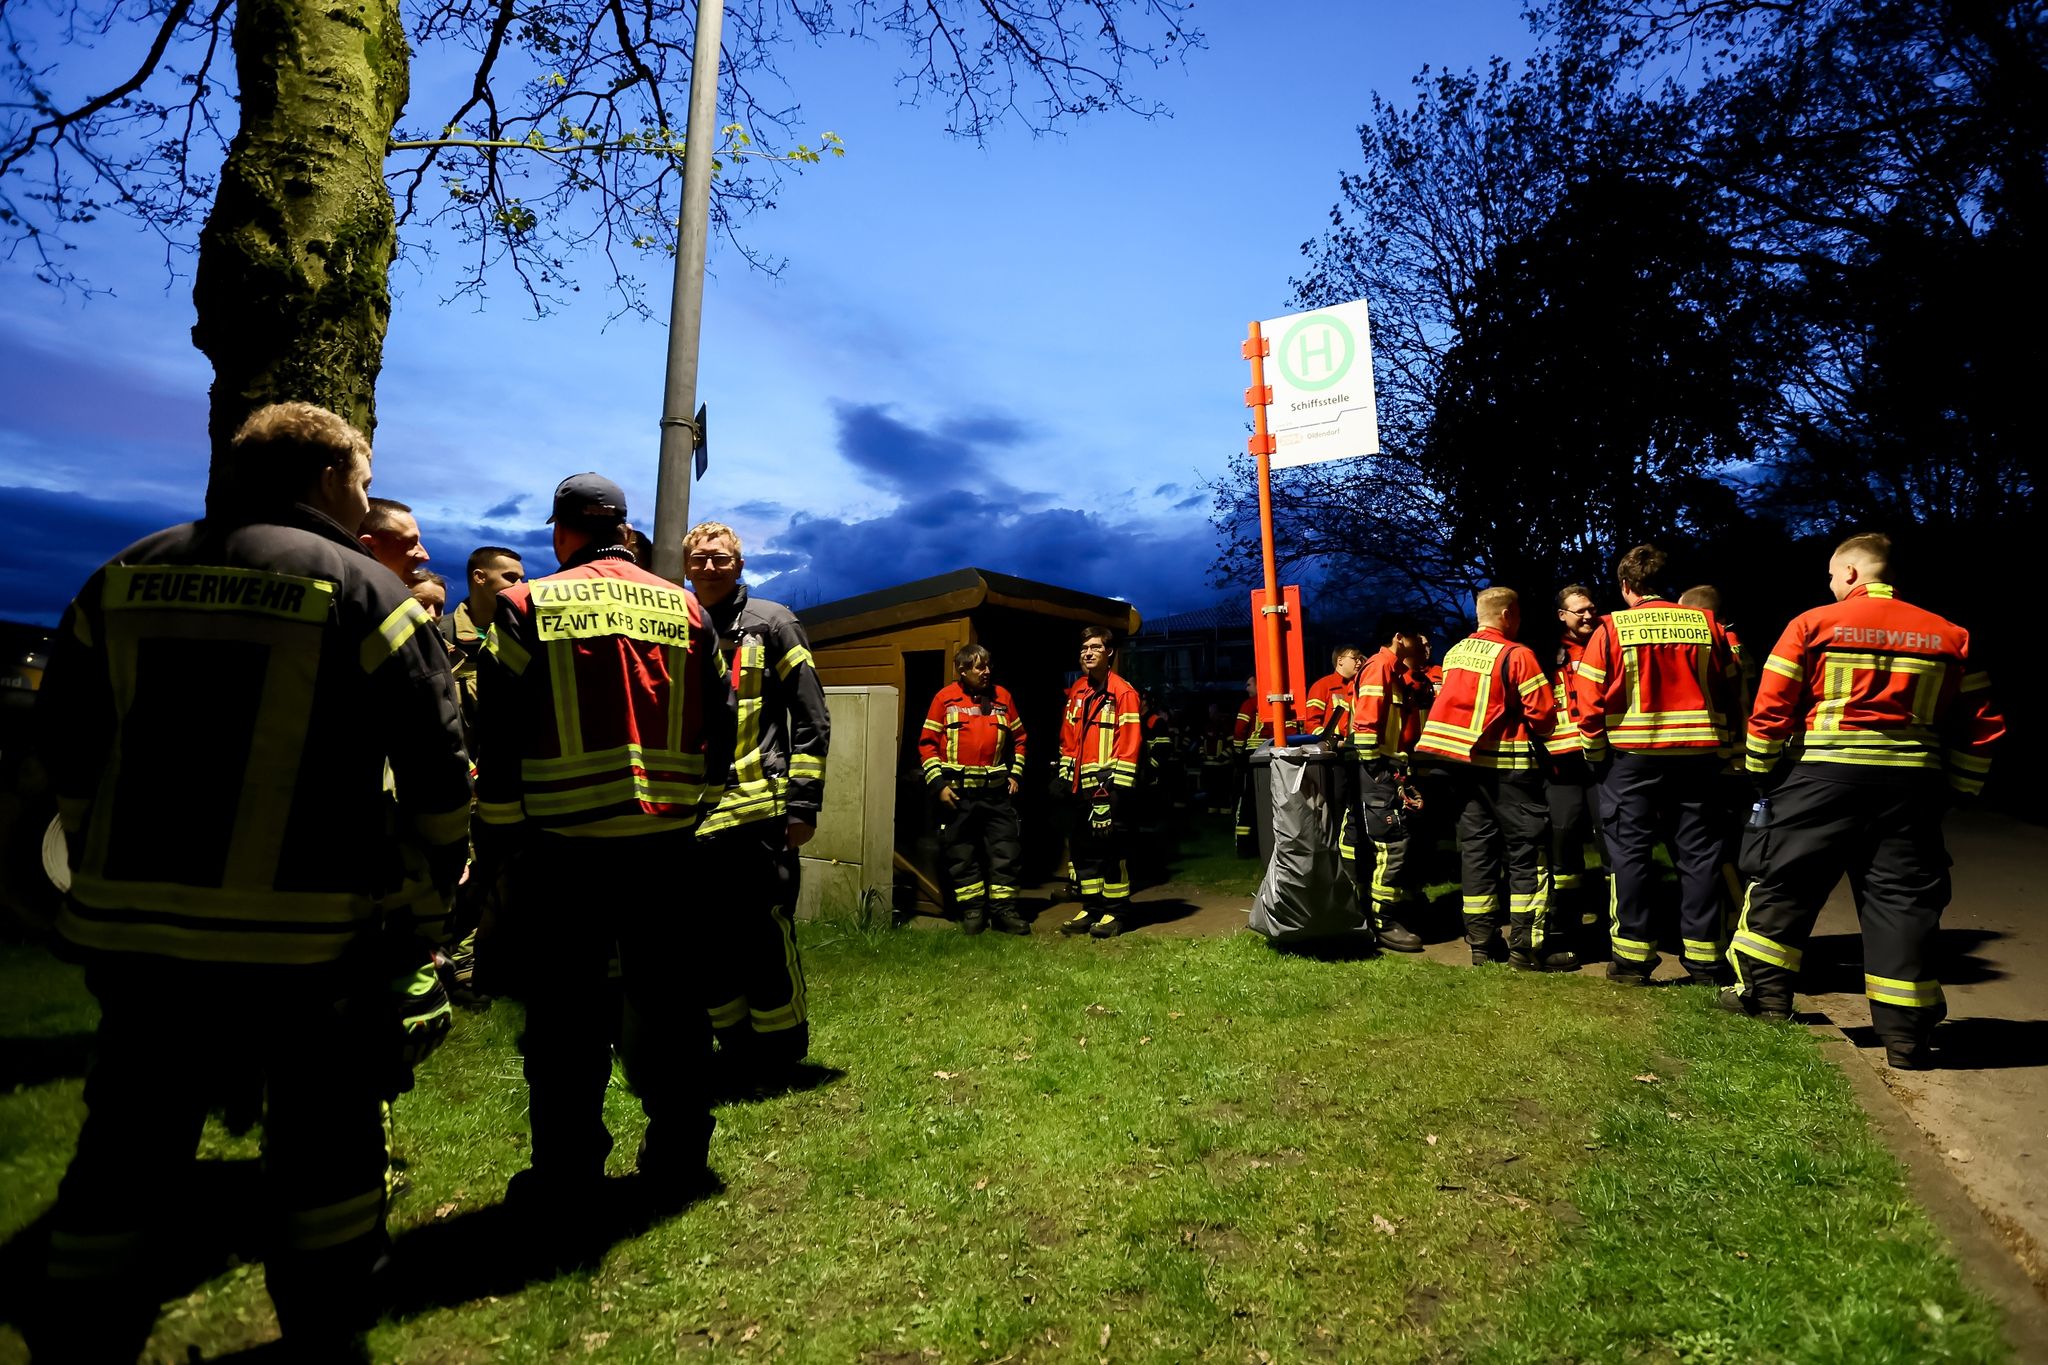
(1559, 960)
(1107, 925)
(1008, 921)
(1082, 918)
(1740, 1000)
(1623, 972)
(973, 918)
(1395, 937)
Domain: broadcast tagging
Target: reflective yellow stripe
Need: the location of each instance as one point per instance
(729, 1013)
(1633, 949)
(500, 812)
(791, 662)
(227, 942)
(1887, 990)
(561, 656)
(393, 632)
(1975, 682)
(630, 787)
(1701, 950)
(808, 766)
(1785, 668)
(1749, 941)
(508, 651)
(333, 1224)
(605, 760)
(445, 827)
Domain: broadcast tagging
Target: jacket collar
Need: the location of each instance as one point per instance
(1881, 591)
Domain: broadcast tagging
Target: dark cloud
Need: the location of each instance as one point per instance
(985, 429)
(1166, 490)
(1191, 501)
(56, 540)
(761, 509)
(508, 508)
(1160, 566)
(910, 461)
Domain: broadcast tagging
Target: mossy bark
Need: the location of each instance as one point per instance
(292, 291)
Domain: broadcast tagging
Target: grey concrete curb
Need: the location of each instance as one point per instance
(1987, 1264)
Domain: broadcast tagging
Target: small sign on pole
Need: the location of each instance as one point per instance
(1321, 378)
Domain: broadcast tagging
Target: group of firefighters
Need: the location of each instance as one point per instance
(1868, 718)
(275, 832)
(277, 839)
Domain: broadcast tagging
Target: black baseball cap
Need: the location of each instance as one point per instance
(588, 497)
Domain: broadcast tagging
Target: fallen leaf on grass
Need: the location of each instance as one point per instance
(945, 1075)
(1102, 1341)
(1430, 1139)
(1649, 1078)
(1099, 1011)
(1021, 1057)
(1081, 1041)
(1383, 1225)
(445, 1210)
(981, 1184)
(1146, 1039)
(1741, 1255)
(592, 1341)
(751, 1332)
(1173, 1014)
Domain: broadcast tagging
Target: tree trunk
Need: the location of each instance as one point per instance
(292, 290)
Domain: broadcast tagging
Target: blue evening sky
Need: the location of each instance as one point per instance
(1022, 356)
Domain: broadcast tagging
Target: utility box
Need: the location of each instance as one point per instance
(849, 866)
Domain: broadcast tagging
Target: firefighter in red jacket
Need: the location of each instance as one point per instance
(972, 751)
(1659, 695)
(1491, 715)
(1569, 788)
(603, 732)
(1383, 732)
(1327, 715)
(1881, 714)
(1101, 742)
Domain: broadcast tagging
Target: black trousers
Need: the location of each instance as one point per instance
(1646, 799)
(1218, 790)
(1101, 849)
(1886, 837)
(1247, 812)
(1504, 851)
(984, 849)
(575, 902)
(1573, 798)
(757, 999)
(168, 1031)
(1390, 880)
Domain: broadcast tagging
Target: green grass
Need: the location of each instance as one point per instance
(1176, 1150)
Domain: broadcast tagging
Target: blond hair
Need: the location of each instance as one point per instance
(281, 449)
(712, 530)
(1871, 552)
(1706, 597)
(1491, 607)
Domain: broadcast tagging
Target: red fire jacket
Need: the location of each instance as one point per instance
(1658, 678)
(1100, 735)
(973, 743)
(1567, 739)
(1384, 718)
(1328, 709)
(1875, 684)
(1494, 707)
(608, 714)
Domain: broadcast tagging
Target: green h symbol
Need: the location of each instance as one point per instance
(1325, 346)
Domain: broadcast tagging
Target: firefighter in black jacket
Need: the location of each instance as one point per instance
(768, 812)
(222, 704)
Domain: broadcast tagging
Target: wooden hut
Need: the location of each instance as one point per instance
(905, 637)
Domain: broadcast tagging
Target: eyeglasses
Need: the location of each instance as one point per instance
(710, 561)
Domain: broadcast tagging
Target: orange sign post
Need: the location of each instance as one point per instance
(1271, 666)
